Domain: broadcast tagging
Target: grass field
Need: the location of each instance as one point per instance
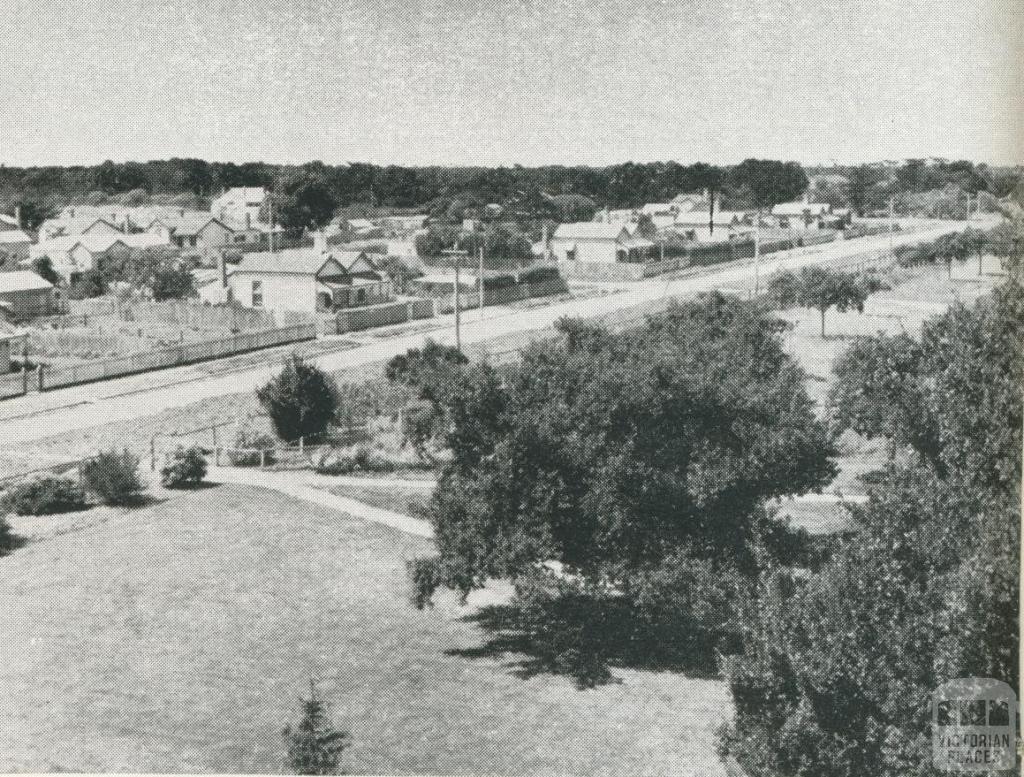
(179, 636)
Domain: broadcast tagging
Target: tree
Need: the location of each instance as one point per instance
(307, 202)
(173, 283)
(34, 211)
(839, 667)
(821, 289)
(315, 746)
(301, 400)
(784, 289)
(769, 182)
(573, 207)
(862, 188)
(43, 267)
(427, 369)
(620, 455)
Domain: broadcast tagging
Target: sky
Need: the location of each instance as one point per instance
(531, 82)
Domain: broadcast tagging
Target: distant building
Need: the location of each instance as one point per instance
(239, 204)
(700, 226)
(77, 225)
(25, 295)
(309, 280)
(591, 241)
(802, 214)
(14, 248)
(72, 255)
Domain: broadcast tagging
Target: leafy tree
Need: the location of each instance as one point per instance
(427, 369)
(821, 289)
(88, 285)
(769, 182)
(43, 267)
(314, 745)
(172, 282)
(839, 667)
(574, 207)
(301, 400)
(34, 211)
(784, 289)
(614, 453)
(307, 203)
(863, 189)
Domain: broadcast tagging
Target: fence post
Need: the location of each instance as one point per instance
(39, 377)
(152, 453)
(302, 445)
(24, 377)
(263, 457)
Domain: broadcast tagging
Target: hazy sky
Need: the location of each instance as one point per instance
(528, 81)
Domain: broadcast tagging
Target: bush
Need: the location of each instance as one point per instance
(183, 468)
(248, 445)
(362, 459)
(45, 496)
(113, 477)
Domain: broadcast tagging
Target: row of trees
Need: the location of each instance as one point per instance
(821, 289)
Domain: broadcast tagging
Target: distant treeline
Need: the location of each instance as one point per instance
(360, 184)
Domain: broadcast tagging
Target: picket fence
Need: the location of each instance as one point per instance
(173, 357)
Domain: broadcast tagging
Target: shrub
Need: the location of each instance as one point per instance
(45, 496)
(362, 459)
(425, 578)
(183, 468)
(113, 477)
(314, 746)
(247, 447)
(8, 540)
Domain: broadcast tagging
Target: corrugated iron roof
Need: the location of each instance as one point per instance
(22, 280)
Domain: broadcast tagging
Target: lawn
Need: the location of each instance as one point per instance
(179, 636)
(408, 501)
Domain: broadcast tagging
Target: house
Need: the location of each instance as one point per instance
(360, 226)
(72, 255)
(721, 226)
(309, 280)
(802, 214)
(25, 295)
(195, 229)
(239, 203)
(591, 241)
(77, 225)
(14, 248)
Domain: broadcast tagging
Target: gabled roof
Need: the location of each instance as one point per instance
(589, 230)
(192, 223)
(22, 280)
(360, 223)
(99, 243)
(304, 261)
(76, 225)
(699, 218)
(10, 236)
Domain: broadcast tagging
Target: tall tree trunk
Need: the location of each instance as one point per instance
(823, 322)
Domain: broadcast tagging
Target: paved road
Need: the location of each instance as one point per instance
(42, 415)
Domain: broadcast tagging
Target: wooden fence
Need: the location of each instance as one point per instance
(174, 357)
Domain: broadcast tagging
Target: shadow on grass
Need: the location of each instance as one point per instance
(584, 651)
(187, 487)
(9, 541)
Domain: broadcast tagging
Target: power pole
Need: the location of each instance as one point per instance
(892, 225)
(457, 254)
(757, 253)
(480, 282)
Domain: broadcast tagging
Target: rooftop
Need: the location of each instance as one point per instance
(592, 230)
(22, 280)
(9, 236)
(298, 261)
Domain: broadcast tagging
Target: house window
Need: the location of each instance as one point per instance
(570, 255)
(361, 295)
(257, 294)
(239, 238)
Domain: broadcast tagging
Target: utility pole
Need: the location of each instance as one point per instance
(480, 282)
(757, 253)
(457, 254)
(892, 226)
(271, 237)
